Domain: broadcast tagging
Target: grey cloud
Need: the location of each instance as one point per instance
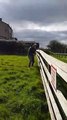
(42, 12)
(42, 37)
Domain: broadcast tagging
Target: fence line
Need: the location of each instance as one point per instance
(49, 67)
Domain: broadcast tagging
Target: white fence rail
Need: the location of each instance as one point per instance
(56, 101)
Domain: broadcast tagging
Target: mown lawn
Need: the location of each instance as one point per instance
(21, 91)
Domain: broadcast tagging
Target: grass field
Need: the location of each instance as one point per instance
(21, 92)
(60, 57)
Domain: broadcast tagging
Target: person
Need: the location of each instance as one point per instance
(31, 54)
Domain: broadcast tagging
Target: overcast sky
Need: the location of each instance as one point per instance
(38, 20)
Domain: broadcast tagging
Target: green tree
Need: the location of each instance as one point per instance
(57, 47)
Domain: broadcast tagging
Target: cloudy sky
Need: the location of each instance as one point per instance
(38, 20)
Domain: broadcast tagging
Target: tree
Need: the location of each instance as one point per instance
(57, 47)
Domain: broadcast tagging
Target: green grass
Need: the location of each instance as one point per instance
(62, 86)
(21, 91)
(60, 57)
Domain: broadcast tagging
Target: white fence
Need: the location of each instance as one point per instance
(49, 68)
